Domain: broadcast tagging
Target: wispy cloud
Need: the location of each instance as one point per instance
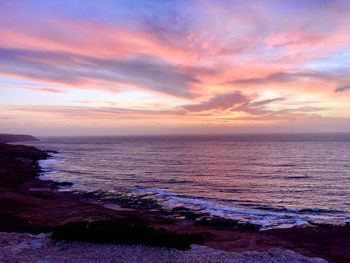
(220, 106)
(198, 60)
(62, 68)
(219, 102)
(342, 88)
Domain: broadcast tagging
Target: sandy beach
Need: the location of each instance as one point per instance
(33, 207)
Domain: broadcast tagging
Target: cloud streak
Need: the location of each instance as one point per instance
(61, 68)
(196, 61)
(219, 102)
(342, 88)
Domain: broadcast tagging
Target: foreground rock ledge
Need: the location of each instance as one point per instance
(40, 248)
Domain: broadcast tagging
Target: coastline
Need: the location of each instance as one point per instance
(30, 205)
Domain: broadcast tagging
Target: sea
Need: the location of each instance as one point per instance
(273, 180)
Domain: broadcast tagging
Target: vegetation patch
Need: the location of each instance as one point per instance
(120, 232)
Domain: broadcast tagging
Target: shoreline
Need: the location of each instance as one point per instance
(30, 205)
(180, 205)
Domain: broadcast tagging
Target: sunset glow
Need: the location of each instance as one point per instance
(163, 67)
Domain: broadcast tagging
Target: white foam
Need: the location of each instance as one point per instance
(267, 220)
(49, 174)
(46, 164)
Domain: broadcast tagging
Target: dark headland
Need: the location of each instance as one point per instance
(4, 138)
(29, 205)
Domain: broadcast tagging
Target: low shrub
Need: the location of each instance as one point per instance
(120, 232)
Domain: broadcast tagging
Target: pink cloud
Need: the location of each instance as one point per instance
(222, 59)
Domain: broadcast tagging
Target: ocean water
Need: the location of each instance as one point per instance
(272, 180)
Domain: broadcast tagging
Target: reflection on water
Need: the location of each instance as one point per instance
(269, 179)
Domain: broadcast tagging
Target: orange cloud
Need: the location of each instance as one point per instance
(228, 63)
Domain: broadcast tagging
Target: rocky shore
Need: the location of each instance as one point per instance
(41, 248)
(29, 205)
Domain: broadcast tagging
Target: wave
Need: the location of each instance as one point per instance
(311, 211)
(297, 177)
(49, 174)
(265, 216)
(284, 191)
(46, 164)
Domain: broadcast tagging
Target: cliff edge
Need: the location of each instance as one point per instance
(5, 138)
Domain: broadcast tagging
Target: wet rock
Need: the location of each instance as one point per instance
(219, 222)
(63, 183)
(180, 209)
(216, 222)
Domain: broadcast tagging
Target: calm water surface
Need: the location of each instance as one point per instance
(272, 180)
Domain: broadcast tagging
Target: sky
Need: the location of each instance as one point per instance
(110, 67)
